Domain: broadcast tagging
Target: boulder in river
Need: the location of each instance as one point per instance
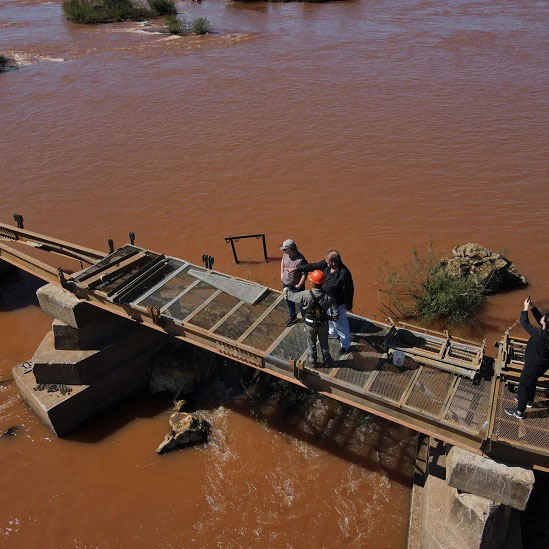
(493, 271)
(187, 429)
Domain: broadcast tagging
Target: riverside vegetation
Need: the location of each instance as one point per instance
(424, 289)
(179, 25)
(6, 63)
(112, 11)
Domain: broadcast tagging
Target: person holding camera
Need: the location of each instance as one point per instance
(319, 308)
(536, 358)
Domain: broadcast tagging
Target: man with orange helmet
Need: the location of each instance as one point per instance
(318, 306)
(339, 284)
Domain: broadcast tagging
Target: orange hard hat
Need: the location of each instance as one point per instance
(317, 277)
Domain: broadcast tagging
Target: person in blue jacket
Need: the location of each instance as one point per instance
(536, 358)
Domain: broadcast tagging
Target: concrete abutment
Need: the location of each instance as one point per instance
(467, 501)
(90, 360)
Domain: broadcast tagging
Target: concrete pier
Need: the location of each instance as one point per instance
(62, 411)
(53, 365)
(466, 501)
(90, 360)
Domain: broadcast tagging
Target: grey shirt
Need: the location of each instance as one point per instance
(291, 279)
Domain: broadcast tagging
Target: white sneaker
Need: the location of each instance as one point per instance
(528, 404)
(514, 413)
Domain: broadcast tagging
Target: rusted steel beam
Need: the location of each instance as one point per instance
(49, 244)
(326, 384)
(29, 264)
(108, 272)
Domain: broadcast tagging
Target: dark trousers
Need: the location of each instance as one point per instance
(313, 332)
(527, 384)
(291, 304)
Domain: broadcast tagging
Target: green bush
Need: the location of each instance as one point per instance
(105, 11)
(200, 25)
(175, 25)
(6, 63)
(454, 300)
(282, 1)
(163, 7)
(423, 289)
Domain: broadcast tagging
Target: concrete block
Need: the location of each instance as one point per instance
(61, 304)
(63, 412)
(434, 514)
(477, 521)
(78, 367)
(503, 483)
(92, 336)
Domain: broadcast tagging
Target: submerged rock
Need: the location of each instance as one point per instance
(186, 430)
(493, 271)
(178, 405)
(10, 431)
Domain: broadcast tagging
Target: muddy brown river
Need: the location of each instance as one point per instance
(360, 125)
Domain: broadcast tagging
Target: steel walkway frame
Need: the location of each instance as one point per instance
(426, 397)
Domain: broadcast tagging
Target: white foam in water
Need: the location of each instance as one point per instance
(25, 59)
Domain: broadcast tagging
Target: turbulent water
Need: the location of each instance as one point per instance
(360, 125)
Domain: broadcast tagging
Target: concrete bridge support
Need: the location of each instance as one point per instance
(467, 501)
(89, 361)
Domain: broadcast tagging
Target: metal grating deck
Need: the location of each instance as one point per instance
(391, 381)
(532, 430)
(430, 390)
(469, 406)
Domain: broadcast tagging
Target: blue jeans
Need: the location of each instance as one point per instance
(291, 304)
(341, 327)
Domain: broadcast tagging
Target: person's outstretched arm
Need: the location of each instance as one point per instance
(525, 322)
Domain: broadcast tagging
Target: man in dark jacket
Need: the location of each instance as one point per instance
(536, 358)
(339, 284)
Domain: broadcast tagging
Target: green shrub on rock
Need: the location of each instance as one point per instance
(424, 289)
(6, 63)
(454, 300)
(113, 11)
(105, 11)
(175, 25)
(163, 7)
(200, 25)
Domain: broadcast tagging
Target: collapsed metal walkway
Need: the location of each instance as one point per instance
(447, 388)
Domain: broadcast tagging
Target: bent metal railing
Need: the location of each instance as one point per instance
(445, 388)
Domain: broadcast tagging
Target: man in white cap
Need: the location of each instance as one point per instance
(294, 280)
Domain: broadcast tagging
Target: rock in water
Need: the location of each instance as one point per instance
(10, 431)
(178, 405)
(492, 271)
(186, 430)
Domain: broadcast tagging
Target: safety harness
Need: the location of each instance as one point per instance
(314, 313)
